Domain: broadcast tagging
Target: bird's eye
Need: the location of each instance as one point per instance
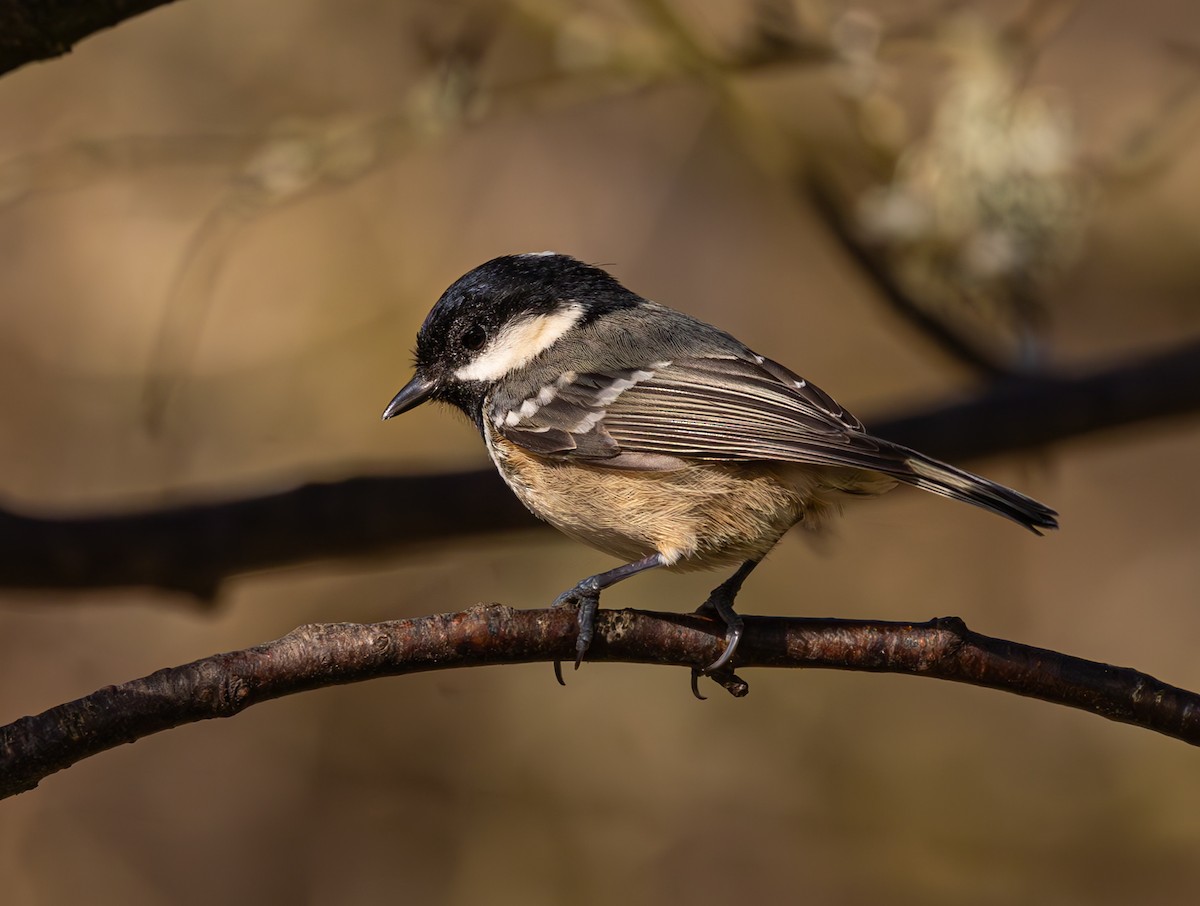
(474, 337)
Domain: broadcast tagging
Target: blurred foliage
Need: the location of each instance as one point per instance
(974, 214)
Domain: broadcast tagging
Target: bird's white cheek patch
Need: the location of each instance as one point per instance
(517, 344)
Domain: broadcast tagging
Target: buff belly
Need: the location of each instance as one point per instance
(706, 516)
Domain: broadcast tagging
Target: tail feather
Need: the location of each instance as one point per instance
(929, 474)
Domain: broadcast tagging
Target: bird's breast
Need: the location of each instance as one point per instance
(705, 515)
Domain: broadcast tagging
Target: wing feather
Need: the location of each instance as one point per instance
(724, 408)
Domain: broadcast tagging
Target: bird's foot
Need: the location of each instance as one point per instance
(722, 606)
(586, 597)
(726, 679)
(720, 603)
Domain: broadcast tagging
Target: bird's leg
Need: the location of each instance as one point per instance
(586, 595)
(720, 601)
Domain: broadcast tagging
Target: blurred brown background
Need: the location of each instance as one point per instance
(290, 256)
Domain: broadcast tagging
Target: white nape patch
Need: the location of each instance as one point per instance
(518, 343)
(537, 254)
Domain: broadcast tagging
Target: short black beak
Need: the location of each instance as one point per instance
(415, 392)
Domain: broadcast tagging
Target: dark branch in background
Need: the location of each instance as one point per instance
(193, 548)
(331, 654)
(1023, 413)
(32, 30)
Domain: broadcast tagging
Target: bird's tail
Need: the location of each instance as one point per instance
(929, 474)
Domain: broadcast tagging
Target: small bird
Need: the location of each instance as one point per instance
(651, 435)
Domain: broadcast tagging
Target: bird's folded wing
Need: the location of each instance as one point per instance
(720, 408)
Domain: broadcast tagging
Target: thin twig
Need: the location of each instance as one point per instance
(321, 655)
(32, 30)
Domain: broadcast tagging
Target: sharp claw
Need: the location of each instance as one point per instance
(696, 674)
(558, 672)
(732, 637)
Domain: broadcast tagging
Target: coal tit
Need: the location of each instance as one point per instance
(651, 435)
